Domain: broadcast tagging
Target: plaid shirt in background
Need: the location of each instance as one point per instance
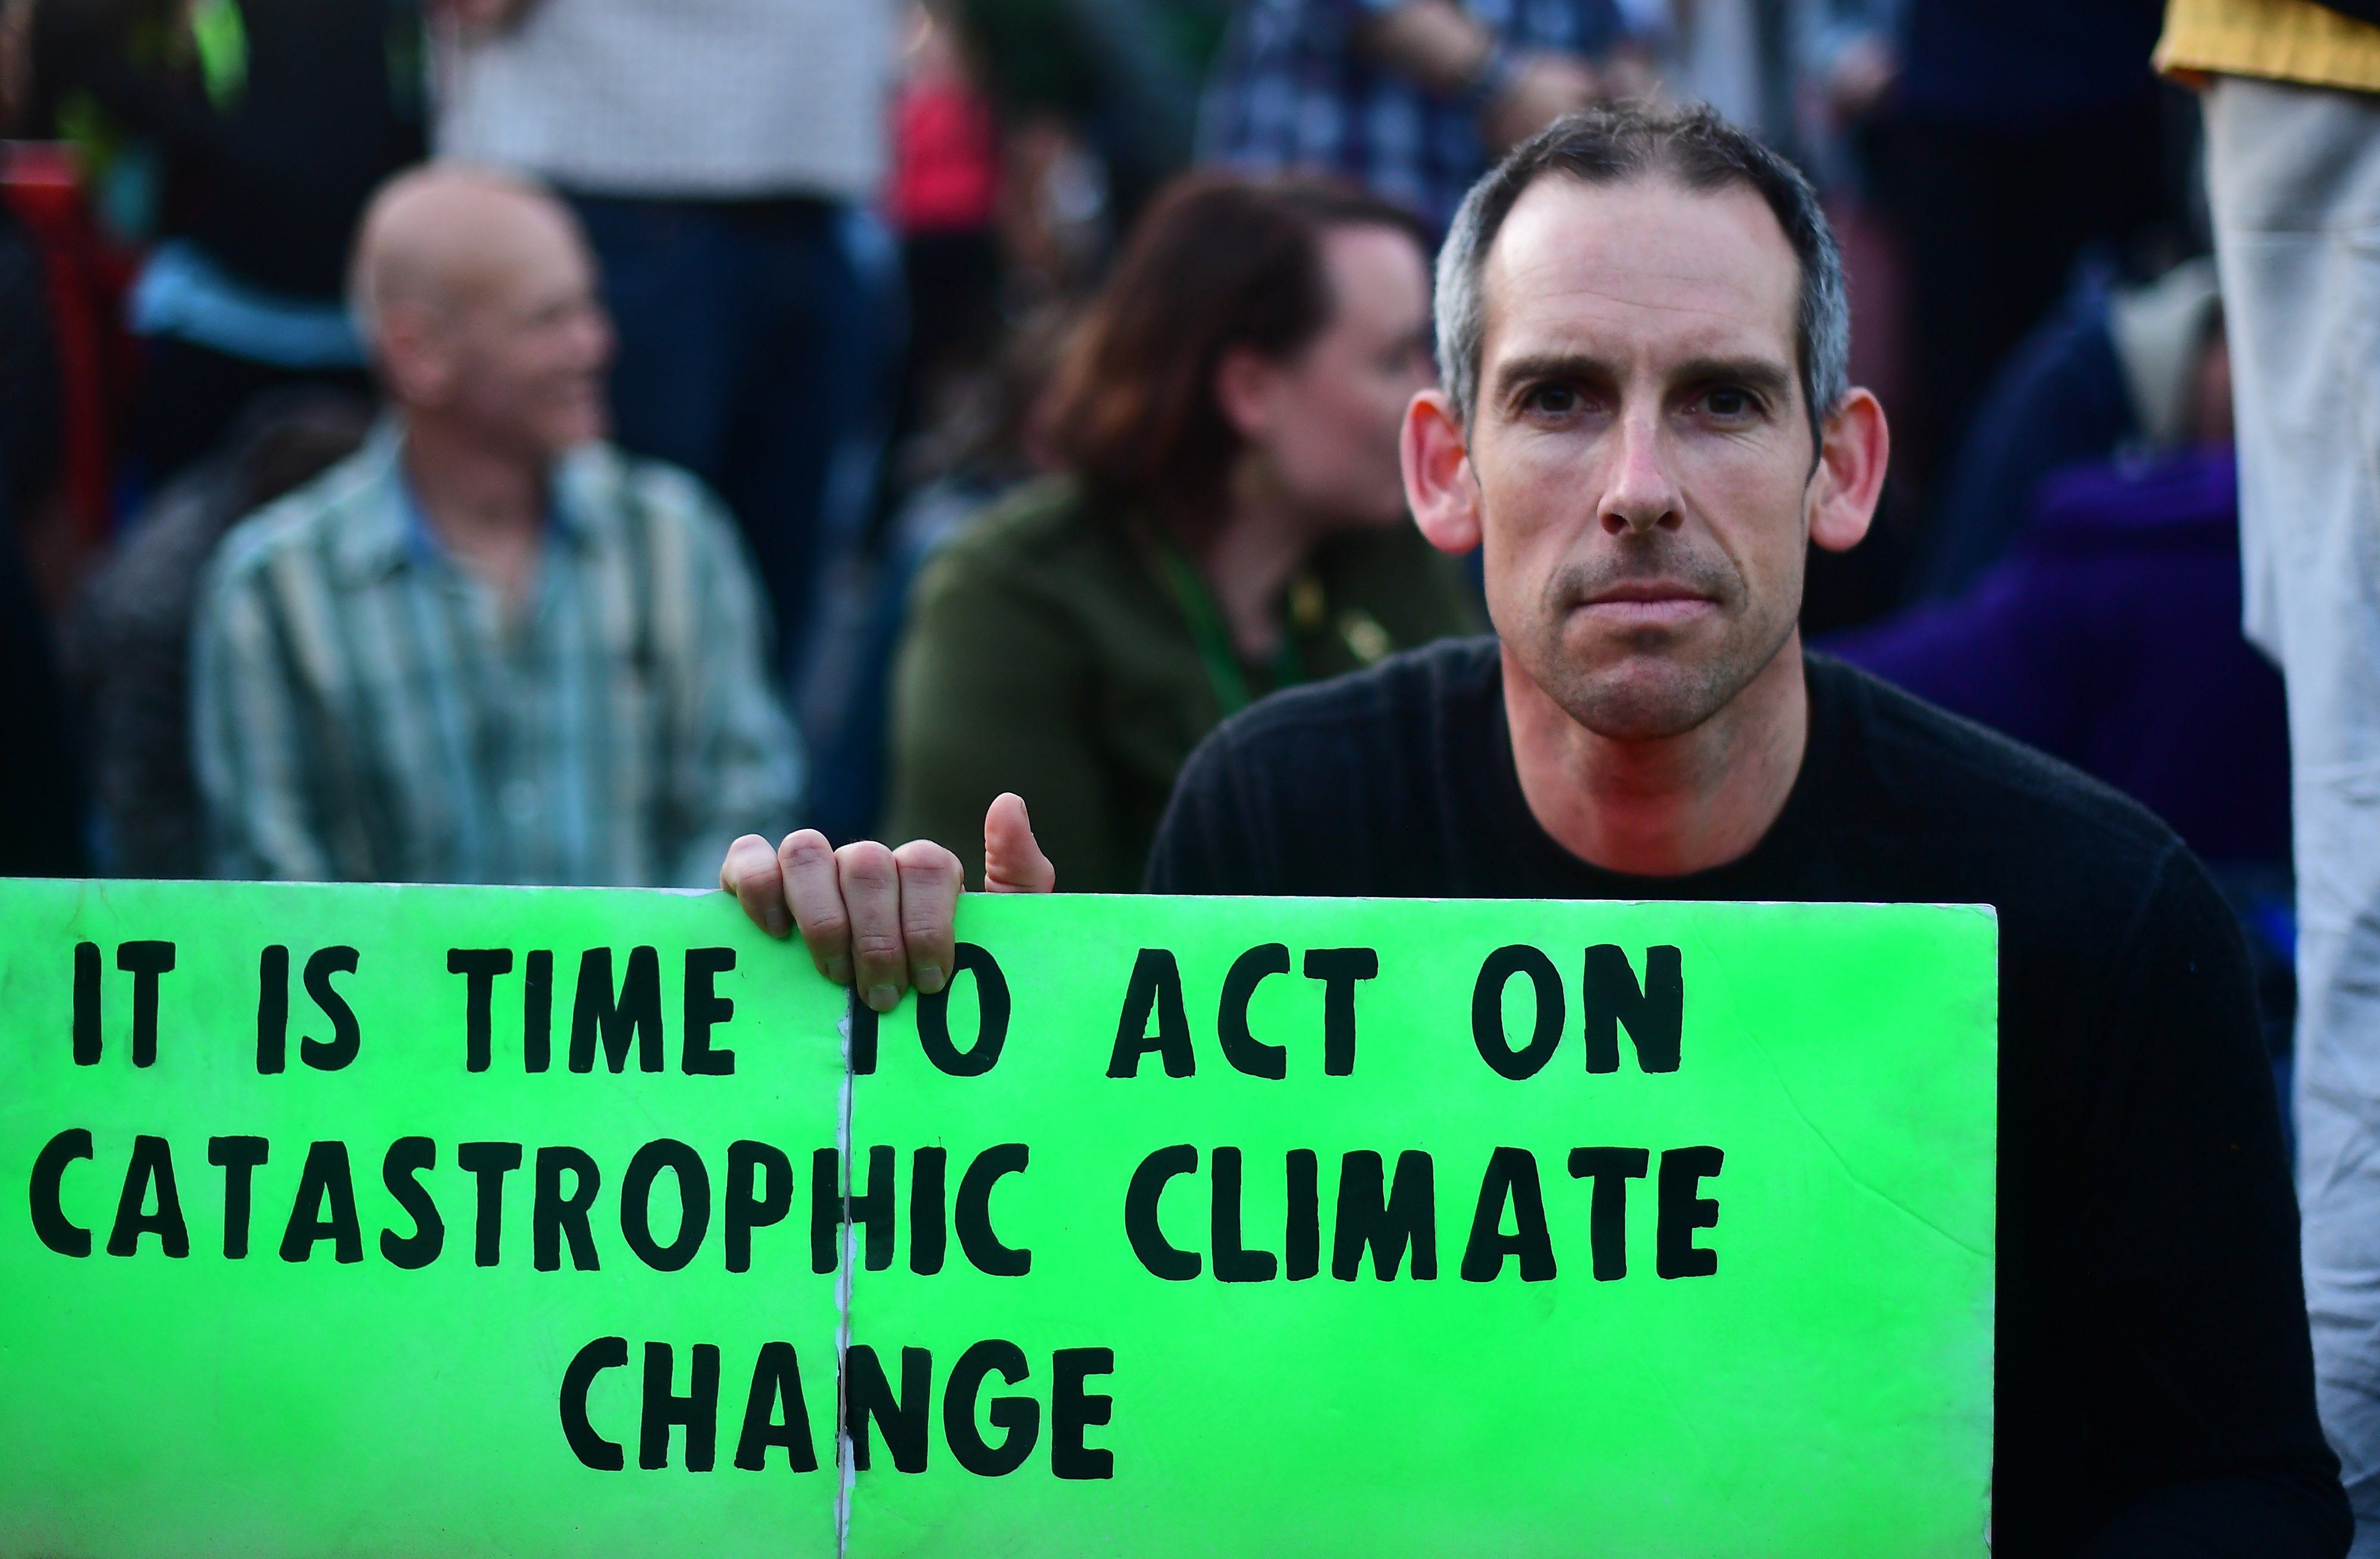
(1292, 91)
(364, 711)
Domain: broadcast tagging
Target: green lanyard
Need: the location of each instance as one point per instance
(1207, 631)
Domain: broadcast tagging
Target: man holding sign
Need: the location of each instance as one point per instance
(1646, 418)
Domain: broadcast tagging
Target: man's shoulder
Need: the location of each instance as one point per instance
(1301, 792)
(1941, 777)
(323, 519)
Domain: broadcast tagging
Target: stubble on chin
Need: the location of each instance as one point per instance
(1647, 684)
(1637, 695)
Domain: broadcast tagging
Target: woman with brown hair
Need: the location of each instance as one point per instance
(1231, 519)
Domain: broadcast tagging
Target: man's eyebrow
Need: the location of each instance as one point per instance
(1516, 371)
(1769, 378)
(1762, 374)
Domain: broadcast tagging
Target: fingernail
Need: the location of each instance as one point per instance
(927, 978)
(883, 997)
(838, 968)
(778, 923)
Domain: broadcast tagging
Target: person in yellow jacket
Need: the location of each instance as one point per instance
(2292, 102)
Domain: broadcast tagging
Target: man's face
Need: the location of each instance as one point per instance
(530, 341)
(1641, 449)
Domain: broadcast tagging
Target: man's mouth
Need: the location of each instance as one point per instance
(1646, 603)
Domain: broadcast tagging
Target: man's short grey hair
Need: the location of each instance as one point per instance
(1697, 150)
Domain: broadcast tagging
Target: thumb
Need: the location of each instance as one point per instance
(1013, 863)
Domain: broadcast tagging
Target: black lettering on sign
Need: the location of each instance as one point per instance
(152, 1165)
(87, 1005)
(340, 1049)
(992, 1020)
(554, 1217)
(144, 962)
(1070, 1411)
(1233, 1261)
(49, 1167)
(1675, 1254)
(832, 1206)
(1487, 1010)
(1018, 1416)
(1140, 1224)
(590, 1448)
(1156, 987)
(324, 1209)
(759, 1193)
(237, 1158)
(901, 1419)
(273, 1010)
(1241, 1048)
(1302, 1252)
(537, 1012)
(929, 1237)
(694, 1203)
(1655, 1014)
(826, 1208)
(407, 1157)
(697, 1409)
(776, 1382)
(1338, 969)
(971, 1215)
(490, 1162)
(479, 966)
(1406, 1215)
(1610, 1169)
(637, 1013)
(1511, 1178)
(704, 1010)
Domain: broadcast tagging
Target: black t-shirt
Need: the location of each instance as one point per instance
(2155, 1386)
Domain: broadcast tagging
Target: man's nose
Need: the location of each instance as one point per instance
(1639, 495)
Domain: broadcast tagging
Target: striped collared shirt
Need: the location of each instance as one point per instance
(365, 710)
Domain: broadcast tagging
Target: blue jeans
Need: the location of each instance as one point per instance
(756, 350)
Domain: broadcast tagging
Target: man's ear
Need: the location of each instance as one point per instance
(1440, 487)
(1850, 479)
(415, 355)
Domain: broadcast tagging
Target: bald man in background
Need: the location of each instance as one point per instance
(489, 648)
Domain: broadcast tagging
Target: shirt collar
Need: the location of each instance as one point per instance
(388, 530)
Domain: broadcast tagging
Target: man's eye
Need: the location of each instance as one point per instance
(1555, 399)
(1728, 402)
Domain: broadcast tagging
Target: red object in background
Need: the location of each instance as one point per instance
(97, 362)
(945, 160)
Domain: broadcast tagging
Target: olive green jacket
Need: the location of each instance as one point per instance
(1046, 654)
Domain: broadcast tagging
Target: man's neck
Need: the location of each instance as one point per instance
(1668, 807)
(486, 506)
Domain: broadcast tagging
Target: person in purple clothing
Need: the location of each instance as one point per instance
(2109, 636)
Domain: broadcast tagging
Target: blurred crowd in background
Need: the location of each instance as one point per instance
(1038, 365)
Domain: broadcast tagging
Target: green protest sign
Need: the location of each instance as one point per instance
(376, 1220)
